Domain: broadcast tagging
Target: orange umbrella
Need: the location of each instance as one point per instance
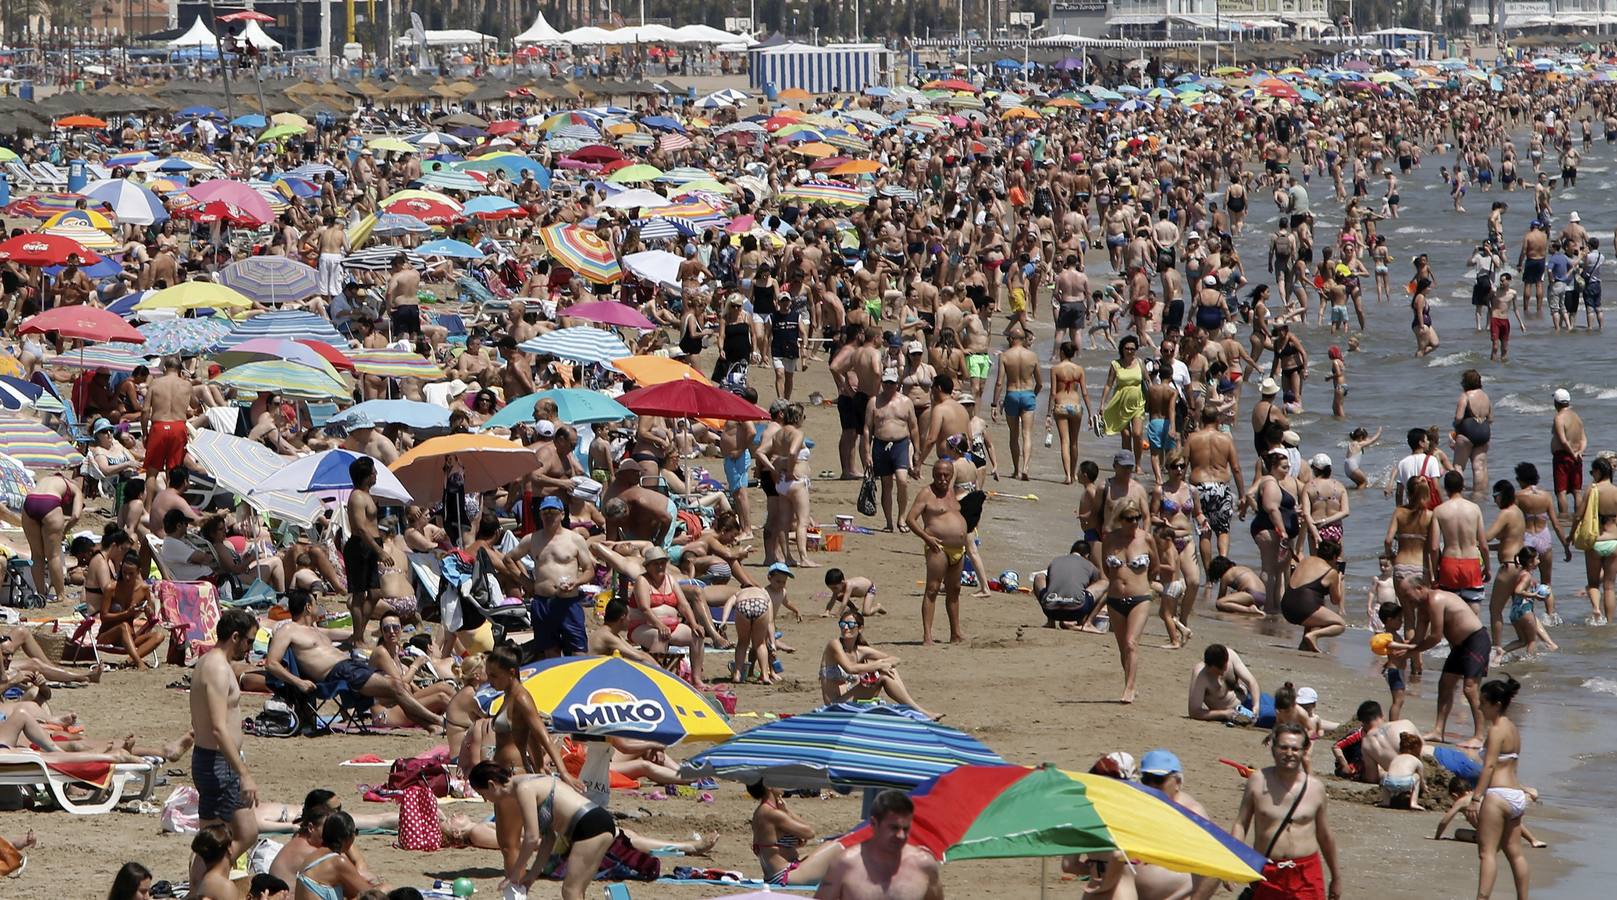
(794, 94)
(858, 167)
(80, 122)
(488, 462)
(649, 370)
(1020, 112)
(815, 149)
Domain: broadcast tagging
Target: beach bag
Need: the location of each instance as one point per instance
(179, 814)
(866, 503)
(419, 825)
(427, 771)
(1434, 491)
(278, 719)
(1588, 530)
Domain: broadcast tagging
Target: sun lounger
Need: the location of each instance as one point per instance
(20, 176)
(27, 769)
(47, 175)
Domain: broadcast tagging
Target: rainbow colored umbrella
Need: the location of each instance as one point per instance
(86, 236)
(394, 364)
(36, 446)
(1014, 812)
(831, 193)
(15, 482)
(609, 696)
(285, 377)
(583, 251)
(115, 356)
(188, 337)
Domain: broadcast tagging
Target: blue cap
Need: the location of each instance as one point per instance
(1160, 762)
(551, 503)
(783, 569)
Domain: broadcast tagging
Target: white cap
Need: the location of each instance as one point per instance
(1307, 695)
(1321, 461)
(1292, 438)
(545, 428)
(1562, 397)
(1193, 235)
(1210, 280)
(914, 347)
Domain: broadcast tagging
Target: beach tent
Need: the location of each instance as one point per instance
(588, 36)
(197, 36)
(540, 33)
(454, 37)
(836, 68)
(254, 36)
(707, 34)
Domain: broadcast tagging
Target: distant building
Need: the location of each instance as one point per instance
(1191, 18)
(1520, 15)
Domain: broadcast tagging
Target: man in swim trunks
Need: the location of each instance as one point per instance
(362, 552)
(562, 563)
(1531, 261)
(892, 431)
(1213, 462)
(1161, 403)
(936, 519)
(162, 420)
(1567, 445)
(1463, 567)
(1017, 394)
(226, 790)
(1446, 616)
(1283, 817)
(1218, 686)
(857, 369)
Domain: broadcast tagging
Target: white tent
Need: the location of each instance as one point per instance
(455, 37)
(254, 36)
(589, 36)
(540, 33)
(707, 34)
(197, 36)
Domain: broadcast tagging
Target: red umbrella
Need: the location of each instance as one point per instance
(247, 15)
(87, 323)
(688, 397)
(614, 165)
(45, 250)
(504, 126)
(337, 358)
(433, 212)
(598, 153)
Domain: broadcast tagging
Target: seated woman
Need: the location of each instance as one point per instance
(776, 836)
(306, 825)
(34, 661)
(114, 461)
(421, 534)
(333, 875)
(627, 559)
(127, 609)
(398, 592)
(211, 847)
(659, 615)
(852, 670)
(237, 562)
(715, 555)
(385, 658)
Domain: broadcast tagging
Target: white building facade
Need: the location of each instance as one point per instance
(1192, 18)
(1527, 14)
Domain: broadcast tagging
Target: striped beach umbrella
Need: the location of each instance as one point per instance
(115, 356)
(271, 279)
(237, 464)
(303, 353)
(380, 259)
(582, 251)
(451, 180)
(188, 337)
(843, 745)
(36, 446)
(134, 204)
(581, 343)
(289, 323)
(15, 393)
(830, 193)
(637, 139)
(327, 474)
(410, 413)
(93, 238)
(398, 224)
(663, 229)
(284, 377)
(15, 482)
(395, 364)
(43, 206)
(670, 142)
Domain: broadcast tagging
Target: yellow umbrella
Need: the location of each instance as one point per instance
(79, 217)
(488, 462)
(194, 295)
(621, 128)
(815, 149)
(360, 231)
(635, 174)
(287, 118)
(391, 145)
(649, 370)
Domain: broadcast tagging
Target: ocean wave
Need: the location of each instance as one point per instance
(1448, 360)
(1411, 229)
(1596, 392)
(1519, 403)
(1582, 169)
(1600, 686)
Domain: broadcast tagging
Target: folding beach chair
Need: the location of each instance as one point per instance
(48, 175)
(30, 770)
(313, 713)
(86, 645)
(20, 176)
(320, 413)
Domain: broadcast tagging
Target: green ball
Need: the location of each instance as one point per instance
(464, 888)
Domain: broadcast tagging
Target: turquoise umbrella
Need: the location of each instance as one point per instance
(573, 405)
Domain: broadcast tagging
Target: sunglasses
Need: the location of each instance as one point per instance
(1130, 518)
(848, 626)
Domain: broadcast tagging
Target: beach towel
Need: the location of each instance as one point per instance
(95, 774)
(194, 605)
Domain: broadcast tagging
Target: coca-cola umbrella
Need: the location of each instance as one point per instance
(45, 250)
(690, 398)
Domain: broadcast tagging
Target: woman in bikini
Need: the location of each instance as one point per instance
(1498, 802)
(853, 671)
(1316, 586)
(1178, 507)
(1413, 529)
(776, 836)
(1281, 509)
(521, 741)
(660, 616)
(1539, 524)
(333, 875)
(398, 592)
(1069, 411)
(51, 506)
(1128, 560)
(1600, 558)
(388, 658)
(532, 813)
(1473, 428)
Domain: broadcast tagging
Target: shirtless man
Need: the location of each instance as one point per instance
(1017, 392)
(891, 432)
(974, 340)
(935, 518)
(613, 638)
(331, 242)
(857, 370)
(1463, 567)
(226, 789)
(1069, 303)
(473, 364)
(1274, 795)
(1217, 686)
(328, 670)
(1446, 616)
(170, 498)
(1379, 743)
(362, 552)
(561, 565)
(884, 867)
(1531, 261)
(363, 438)
(948, 419)
(404, 309)
(1213, 462)
(162, 420)
(1567, 444)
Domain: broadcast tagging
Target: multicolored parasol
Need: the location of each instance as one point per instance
(582, 251)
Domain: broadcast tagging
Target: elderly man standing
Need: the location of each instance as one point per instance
(936, 519)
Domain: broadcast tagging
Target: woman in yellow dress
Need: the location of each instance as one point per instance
(1123, 399)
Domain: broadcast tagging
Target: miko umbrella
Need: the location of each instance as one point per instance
(194, 295)
(688, 397)
(44, 250)
(608, 312)
(271, 279)
(581, 343)
(284, 377)
(36, 446)
(609, 696)
(843, 745)
(87, 217)
(409, 413)
(86, 323)
(573, 406)
(488, 462)
(242, 200)
(999, 812)
(327, 473)
(582, 251)
(188, 337)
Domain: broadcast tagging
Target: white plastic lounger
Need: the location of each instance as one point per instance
(25, 768)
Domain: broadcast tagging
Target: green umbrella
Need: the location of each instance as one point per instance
(279, 133)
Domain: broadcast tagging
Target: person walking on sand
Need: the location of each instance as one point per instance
(1213, 463)
(1283, 813)
(162, 420)
(1498, 801)
(885, 865)
(892, 433)
(225, 789)
(1128, 558)
(1017, 392)
(936, 519)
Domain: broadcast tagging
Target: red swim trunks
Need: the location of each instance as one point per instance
(165, 446)
(1498, 329)
(1292, 879)
(1568, 473)
(1459, 573)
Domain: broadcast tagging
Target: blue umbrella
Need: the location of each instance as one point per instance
(17, 394)
(584, 344)
(395, 224)
(844, 745)
(250, 120)
(188, 337)
(271, 279)
(106, 267)
(450, 248)
(199, 112)
(662, 123)
(487, 205)
(409, 413)
(1007, 64)
(291, 324)
(328, 473)
(573, 405)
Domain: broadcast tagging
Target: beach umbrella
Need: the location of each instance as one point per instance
(857, 167)
(656, 266)
(391, 224)
(493, 208)
(188, 337)
(843, 745)
(327, 473)
(131, 203)
(450, 249)
(451, 180)
(830, 193)
(269, 348)
(85, 217)
(513, 165)
(582, 251)
(635, 174)
(85, 323)
(573, 406)
(90, 122)
(44, 250)
(390, 145)
(249, 120)
(10, 367)
(43, 206)
(649, 370)
(15, 393)
(488, 462)
(288, 323)
(1000, 812)
(284, 377)
(276, 133)
(410, 413)
(117, 356)
(581, 343)
(292, 187)
(435, 139)
(430, 211)
(36, 446)
(394, 364)
(271, 279)
(634, 198)
(609, 696)
(15, 482)
(195, 295)
(130, 158)
(608, 312)
(84, 236)
(241, 200)
(688, 397)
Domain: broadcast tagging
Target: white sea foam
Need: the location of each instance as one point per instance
(1596, 391)
(1411, 229)
(1519, 403)
(1600, 686)
(1448, 360)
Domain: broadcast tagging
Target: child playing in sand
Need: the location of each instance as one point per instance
(1519, 614)
(845, 592)
(1398, 655)
(1240, 590)
(1401, 783)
